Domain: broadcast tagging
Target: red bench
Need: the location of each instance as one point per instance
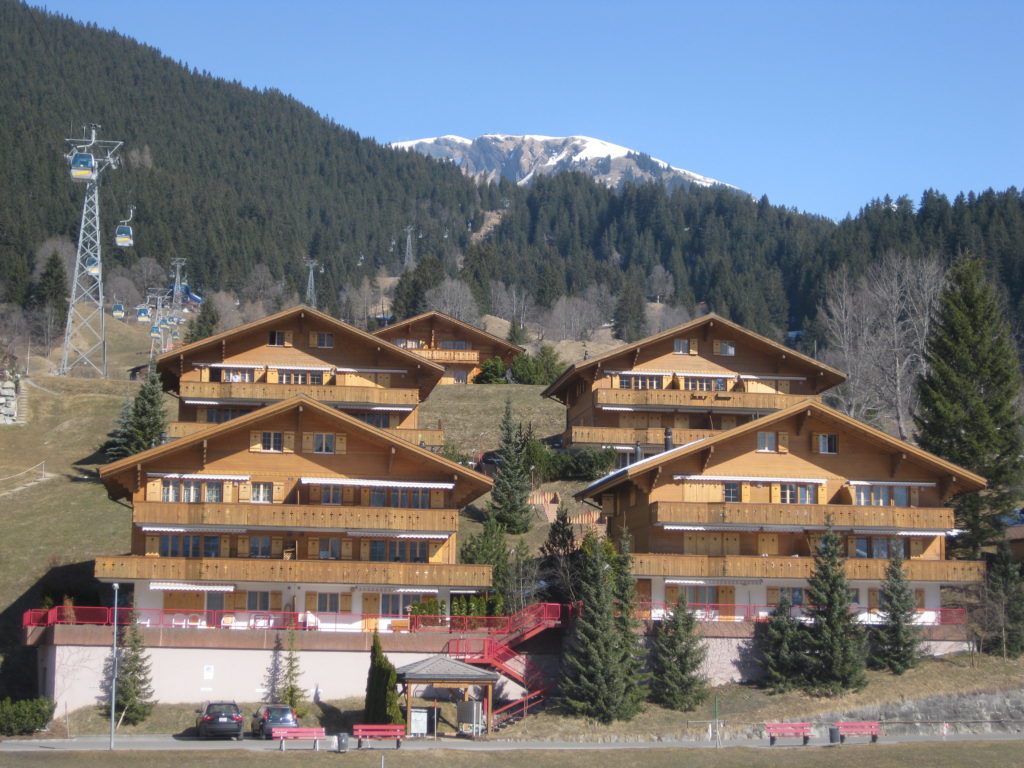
(368, 732)
(872, 729)
(291, 734)
(781, 730)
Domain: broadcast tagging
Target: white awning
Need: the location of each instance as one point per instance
(384, 533)
(685, 581)
(617, 408)
(253, 366)
(890, 484)
(416, 590)
(184, 476)
(371, 370)
(439, 536)
(395, 408)
(202, 402)
(192, 529)
(769, 377)
(177, 586)
(751, 479)
(364, 483)
(300, 367)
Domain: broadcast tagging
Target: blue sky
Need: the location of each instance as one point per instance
(821, 104)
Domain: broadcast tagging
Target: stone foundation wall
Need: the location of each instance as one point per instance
(8, 402)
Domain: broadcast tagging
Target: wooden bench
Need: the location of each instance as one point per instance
(368, 732)
(783, 730)
(872, 729)
(291, 734)
(400, 625)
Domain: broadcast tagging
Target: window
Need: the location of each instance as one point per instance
(325, 340)
(854, 594)
(639, 381)
(701, 595)
(330, 494)
(397, 605)
(795, 594)
(273, 441)
(262, 493)
(727, 348)
(169, 546)
(863, 496)
(880, 495)
(259, 546)
(327, 603)
(884, 495)
(862, 547)
(798, 493)
(379, 420)
(901, 496)
(880, 548)
(190, 491)
(215, 601)
(681, 346)
(190, 546)
(170, 491)
(731, 491)
(787, 493)
(407, 551)
(276, 339)
(257, 601)
(236, 374)
(217, 415)
(323, 442)
(378, 497)
(211, 546)
(378, 551)
(460, 376)
(828, 443)
(454, 344)
(705, 383)
(766, 442)
(413, 498)
(330, 548)
(214, 491)
(292, 377)
(407, 343)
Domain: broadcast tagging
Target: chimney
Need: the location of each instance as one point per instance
(668, 438)
(636, 451)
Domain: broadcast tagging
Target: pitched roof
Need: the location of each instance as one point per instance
(968, 481)
(442, 668)
(476, 483)
(390, 331)
(830, 374)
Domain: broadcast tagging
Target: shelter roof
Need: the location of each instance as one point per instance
(443, 668)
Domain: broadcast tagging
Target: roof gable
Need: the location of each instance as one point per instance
(396, 329)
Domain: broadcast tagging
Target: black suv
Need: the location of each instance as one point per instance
(271, 716)
(220, 718)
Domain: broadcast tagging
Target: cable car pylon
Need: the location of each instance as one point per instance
(85, 332)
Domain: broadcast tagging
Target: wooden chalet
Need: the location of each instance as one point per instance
(299, 351)
(458, 346)
(704, 376)
(295, 514)
(732, 518)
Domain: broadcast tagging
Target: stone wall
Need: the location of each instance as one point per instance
(8, 402)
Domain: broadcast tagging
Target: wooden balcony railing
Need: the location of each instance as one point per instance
(237, 569)
(471, 356)
(752, 567)
(291, 516)
(431, 438)
(261, 392)
(759, 515)
(629, 436)
(679, 398)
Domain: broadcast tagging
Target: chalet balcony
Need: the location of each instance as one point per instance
(233, 570)
(773, 567)
(669, 399)
(296, 516)
(468, 356)
(753, 516)
(431, 438)
(260, 392)
(627, 436)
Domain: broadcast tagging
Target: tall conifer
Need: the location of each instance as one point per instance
(677, 658)
(630, 636)
(508, 505)
(896, 645)
(142, 424)
(1004, 605)
(782, 644)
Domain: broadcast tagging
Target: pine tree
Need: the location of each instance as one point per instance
(381, 704)
(677, 658)
(967, 411)
(896, 645)
(835, 643)
(591, 683)
(628, 629)
(142, 425)
(292, 692)
(781, 643)
(560, 563)
(274, 677)
(133, 698)
(630, 321)
(203, 324)
(508, 505)
(52, 288)
(1004, 605)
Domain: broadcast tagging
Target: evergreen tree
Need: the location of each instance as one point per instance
(629, 631)
(133, 699)
(517, 333)
(676, 661)
(560, 560)
(292, 692)
(1004, 605)
(835, 642)
(491, 372)
(967, 411)
(896, 645)
(592, 681)
(781, 643)
(508, 505)
(273, 680)
(381, 704)
(52, 288)
(549, 365)
(142, 425)
(630, 322)
(202, 324)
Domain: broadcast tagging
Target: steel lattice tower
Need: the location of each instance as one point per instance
(85, 333)
(311, 265)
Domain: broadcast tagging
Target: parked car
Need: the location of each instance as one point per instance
(220, 718)
(271, 716)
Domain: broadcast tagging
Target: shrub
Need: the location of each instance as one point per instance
(25, 716)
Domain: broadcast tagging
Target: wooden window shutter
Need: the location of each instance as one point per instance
(276, 546)
(153, 490)
(275, 601)
(229, 492)
(916, 547)
(255, 440)
(437, 498)
(244, 491)
(225, 546)
(312, 338)
(345, 602)
(364, 497)
(872, 599)
(782, 441)
(307, 442)
(316, 494)
(672, 594)
(239, 600)
(288, 442)
(273, 377)
(340, 442)
(745, 491)
(346, 549)
(776, 493)
(774, 596)
(243, 546)
(919, 599)
(694, 344)
(289, 338)
(371, 602)
(152, 546)
(851, 546)
(311, 599)
(313, 548)
(433, 548)
(731, 544)
(201, 414)
(716, 347)
(278, 496)
(915, 496)
(384, 379)
(348, 494)
(204, 373)
(815, 444)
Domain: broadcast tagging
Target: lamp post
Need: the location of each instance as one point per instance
(113, 676)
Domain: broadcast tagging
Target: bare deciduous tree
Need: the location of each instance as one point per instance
(512, 302)
(660, 284)
(454, 298)
(363, 302)
(227, 309)
(148, 276)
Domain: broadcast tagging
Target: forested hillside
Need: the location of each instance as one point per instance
(231, 178)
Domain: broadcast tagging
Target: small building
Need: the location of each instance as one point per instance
(458, 346)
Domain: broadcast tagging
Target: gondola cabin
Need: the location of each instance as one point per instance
(142, 314)
(92, 266)
(154, 332)
(83, 167)
(118, 311)
(123, 236)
